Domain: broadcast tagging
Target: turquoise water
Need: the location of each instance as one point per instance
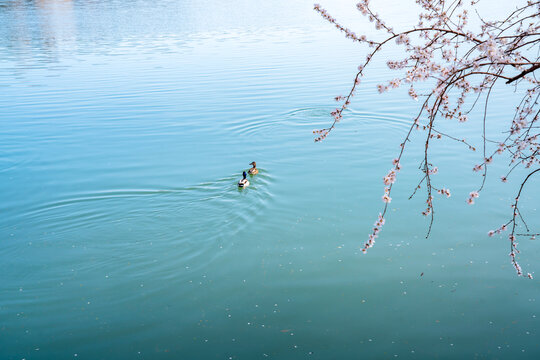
(125, 127)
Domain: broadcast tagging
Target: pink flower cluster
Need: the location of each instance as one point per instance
(412, 93)
(375, 232)
(444, 191)
(498, 231)
(397, 65)
(472, 195)
(363, 7)
(322, 134)
(390, 178)
(513, 252)
(348, 33)
(429, 208)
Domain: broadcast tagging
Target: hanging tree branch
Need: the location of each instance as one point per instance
(444, 51)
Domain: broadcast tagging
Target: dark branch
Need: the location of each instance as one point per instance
(522, 74)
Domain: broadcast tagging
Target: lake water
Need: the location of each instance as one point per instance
(125, 127)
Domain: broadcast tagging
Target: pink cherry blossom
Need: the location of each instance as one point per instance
(457, 59)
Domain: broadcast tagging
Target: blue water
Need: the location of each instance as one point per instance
(125, 127)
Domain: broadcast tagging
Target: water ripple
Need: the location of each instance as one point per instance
(190, 209)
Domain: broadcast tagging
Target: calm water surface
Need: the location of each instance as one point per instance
(125, 127)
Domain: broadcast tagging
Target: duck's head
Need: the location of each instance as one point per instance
(244, 174)
(253, 163)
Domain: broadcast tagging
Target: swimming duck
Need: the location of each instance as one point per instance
(253, 170)
(244, 182)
